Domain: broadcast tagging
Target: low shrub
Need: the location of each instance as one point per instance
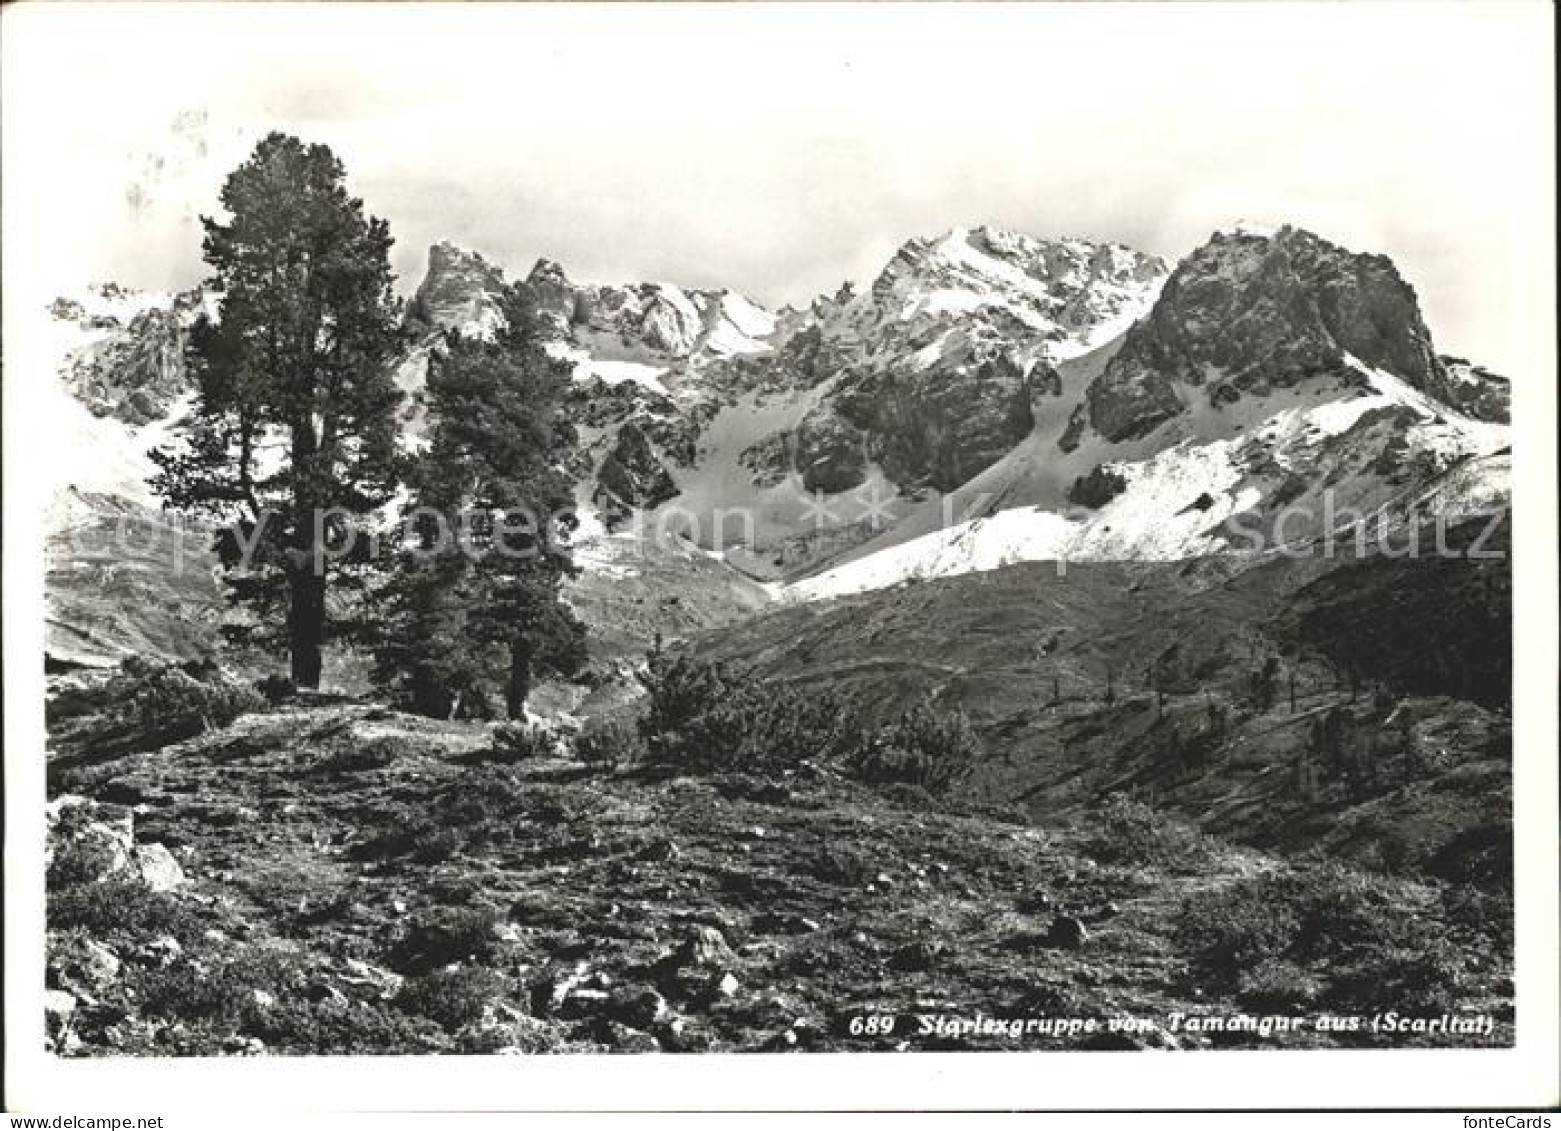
(924, 747)
(122, 908)
(452, 998)
(350, 1028)
(607, 746)
(438, 845)
(277, 689)
(1480, 855)
(146, 706)
(374, 754)
(455, 936)
(843, 864)
(705, 718)
(1276, 986)
(81, 854)
(521, 742)
(1425, 978)
(1337, 926)
(1227, 931)
(1485, 918)
(265, 993)
(224, 991)
(477, 807)
(1131, 832)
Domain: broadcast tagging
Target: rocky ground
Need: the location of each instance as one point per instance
(333, 877)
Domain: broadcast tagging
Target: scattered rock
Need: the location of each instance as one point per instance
(620, 1038)
(679, 1034)
(88, 968)
(579, 1002)
(59, 1009)
(1067, 933)
(323, 992)
(159, 869)
(385, 983)
(549, 993)
(705, 947)
(244, 1046)
(160, 951)
(93, 840)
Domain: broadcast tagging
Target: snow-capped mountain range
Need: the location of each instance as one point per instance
(989, 398)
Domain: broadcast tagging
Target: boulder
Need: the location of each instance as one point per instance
(159, 870)
(59, 1011)
(621, 1038)
(706, 946)
(1067, 933)
(83, 966)
(90, 840)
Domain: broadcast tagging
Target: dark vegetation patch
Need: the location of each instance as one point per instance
(144, 706)
(704, 717)
(1330, 937)
(1126, 831)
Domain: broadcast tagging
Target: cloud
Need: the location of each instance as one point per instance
(782, 149)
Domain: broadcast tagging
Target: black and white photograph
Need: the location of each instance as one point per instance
(719, 534)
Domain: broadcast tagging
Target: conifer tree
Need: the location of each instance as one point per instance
(476, 588)
(292, 439)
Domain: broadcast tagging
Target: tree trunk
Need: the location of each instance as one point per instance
(306, 626)
(519, 678)
(306, 606)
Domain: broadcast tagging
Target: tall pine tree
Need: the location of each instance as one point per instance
(474, 598)
(293, 436)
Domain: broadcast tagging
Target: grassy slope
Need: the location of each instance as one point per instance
(1027, 652)
(123, 581)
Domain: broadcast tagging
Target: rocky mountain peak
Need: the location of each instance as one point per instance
(1071, 292)
(557, 298)
(126, 354)
(1254, 310)
(458, 292)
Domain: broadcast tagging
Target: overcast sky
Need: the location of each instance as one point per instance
(782, 150)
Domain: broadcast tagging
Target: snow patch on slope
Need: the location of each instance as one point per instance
(1183, 481)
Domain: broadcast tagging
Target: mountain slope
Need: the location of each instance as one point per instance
(693, 403)
(1090, 678)
(1234, 416)
(990, 398)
